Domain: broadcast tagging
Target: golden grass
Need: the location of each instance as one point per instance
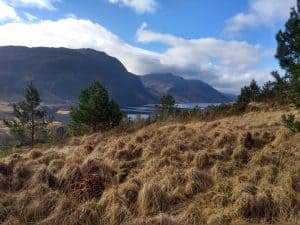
(231, 171)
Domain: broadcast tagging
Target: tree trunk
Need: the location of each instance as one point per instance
(32, 128)
(32, 137)
(95, 129)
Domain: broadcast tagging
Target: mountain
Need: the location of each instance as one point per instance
(231, 97)
(59, 73)
(183, 90)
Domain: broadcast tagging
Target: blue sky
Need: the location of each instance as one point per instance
(225, 43)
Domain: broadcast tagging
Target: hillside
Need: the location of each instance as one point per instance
(239, 170)
(184, 91)
(59, 73)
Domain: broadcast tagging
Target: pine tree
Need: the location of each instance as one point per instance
(288, 55)
(30, 118)
(115, 114)
(250, 93)
(166, 106)
(95, 110)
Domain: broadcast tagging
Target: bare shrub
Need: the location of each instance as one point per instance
(91, 186)
(93, 166)
(34, 154)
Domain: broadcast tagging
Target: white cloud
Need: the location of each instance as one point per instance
(42, 4)
(226, 65)
(7, 12)
(140, 6)
(30, 17)
(76, 33)
(206, 49)
(261, 12)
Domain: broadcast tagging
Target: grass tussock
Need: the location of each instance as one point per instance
(193, 215)
(236, 170)
(198, 182)
(152, 199)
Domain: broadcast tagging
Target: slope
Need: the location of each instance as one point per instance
(231, 171)
(60, 73)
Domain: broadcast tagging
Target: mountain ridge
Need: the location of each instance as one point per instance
(183, 90)
(60, 73)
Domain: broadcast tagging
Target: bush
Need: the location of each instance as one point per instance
(291, 123)
(250, 93)
(90, 187)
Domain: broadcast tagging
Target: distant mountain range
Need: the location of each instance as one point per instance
(183, 90)
(60, 73)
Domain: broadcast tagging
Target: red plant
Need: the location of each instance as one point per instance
(91, 186)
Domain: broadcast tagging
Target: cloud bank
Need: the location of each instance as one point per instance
(261, 12)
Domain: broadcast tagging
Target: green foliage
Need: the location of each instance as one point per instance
(166, 107)
(272, 91)
(58, 134)
(275, 91)
(31, 121)
(167, 101)
(267, 91)
(211, 112)
(290, 122)
(288, 55)
(77, 129)
(280, 86)
(61, 133)
(95, 110)
(130, 125)
(121, 175)
(250, 93)
(115, 114)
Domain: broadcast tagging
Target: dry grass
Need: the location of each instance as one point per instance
(231, 171)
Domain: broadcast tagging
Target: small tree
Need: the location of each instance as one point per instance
(250, 93)
(166, 106)
(95, 110)
(30, 118)
(268, 91)
(288, 55)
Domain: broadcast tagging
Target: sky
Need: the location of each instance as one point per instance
(224, 43)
